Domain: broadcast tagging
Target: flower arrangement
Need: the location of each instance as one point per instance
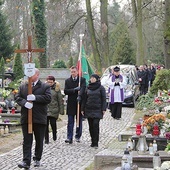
(166, 125)
(149, 123)
(165, 165)
(167, 108)
(5, 93)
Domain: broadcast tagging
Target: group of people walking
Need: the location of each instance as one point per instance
(146, 75)
(84, 101)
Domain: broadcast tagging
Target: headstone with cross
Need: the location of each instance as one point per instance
(29, 52)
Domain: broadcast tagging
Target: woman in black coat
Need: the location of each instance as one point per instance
(94, 107)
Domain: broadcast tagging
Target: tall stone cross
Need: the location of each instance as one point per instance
(29, 51)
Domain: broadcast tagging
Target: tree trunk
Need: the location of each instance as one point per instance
(137, 13)
(104, 32)
(96, 54)
(167, 34)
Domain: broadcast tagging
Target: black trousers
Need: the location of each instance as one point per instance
(142, 89)
(94, 130)
(39, 133)
(53, 122)
(116, 110)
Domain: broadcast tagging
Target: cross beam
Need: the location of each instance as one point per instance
(29, 51)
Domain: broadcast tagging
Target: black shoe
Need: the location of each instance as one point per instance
(69, 141)
(23, 165)
(78, 140)
(46, 142)
(91, 145)
(36, 163)
(95, 147)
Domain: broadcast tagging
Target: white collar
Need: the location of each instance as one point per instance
(35, 82)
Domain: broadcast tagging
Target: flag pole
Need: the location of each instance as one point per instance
(79, 73)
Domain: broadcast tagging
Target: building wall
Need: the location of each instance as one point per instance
(60, 74)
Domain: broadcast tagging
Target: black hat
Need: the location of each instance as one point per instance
(116, 69)
(95, 76)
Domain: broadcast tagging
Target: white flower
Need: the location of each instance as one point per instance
(157, 168)
(165, 165)
(167, 108)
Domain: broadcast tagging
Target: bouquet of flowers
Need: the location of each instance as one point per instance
(156, 118)
(166, 125)
(5, 93)
(167, 109)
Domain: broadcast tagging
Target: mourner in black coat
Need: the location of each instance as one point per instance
(93, 107)
(75, 94)
(37, 101)
(142, 79)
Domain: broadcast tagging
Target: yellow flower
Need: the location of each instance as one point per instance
(159, 118)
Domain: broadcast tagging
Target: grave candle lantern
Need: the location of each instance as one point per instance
(138, 129)
(13, 110)
(156, 131)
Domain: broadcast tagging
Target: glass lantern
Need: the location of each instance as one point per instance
(142, 146)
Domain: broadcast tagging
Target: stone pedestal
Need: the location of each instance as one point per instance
(106, 157)
(11, 117)
(161, 141)
(146, 161)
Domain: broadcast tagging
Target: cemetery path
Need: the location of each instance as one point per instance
(78, 156)
(12, 140)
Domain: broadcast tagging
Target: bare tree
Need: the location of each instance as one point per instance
(104, 32)
(96, 54)
(137, 13)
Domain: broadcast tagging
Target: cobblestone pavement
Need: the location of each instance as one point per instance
(77, 156)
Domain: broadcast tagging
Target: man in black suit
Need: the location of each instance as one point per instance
(75, 94)
(37, 101)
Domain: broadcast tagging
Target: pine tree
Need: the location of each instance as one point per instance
(121, 46)
(18, 67)
(70, 62)
(6, 48)
(59, 64)
(38, 10)
(2, 70)
(2, 66)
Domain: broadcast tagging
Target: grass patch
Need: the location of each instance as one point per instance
(90, 167)
(138, 114)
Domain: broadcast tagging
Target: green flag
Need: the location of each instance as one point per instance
(85, 66)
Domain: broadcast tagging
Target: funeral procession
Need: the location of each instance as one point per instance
(85, 85)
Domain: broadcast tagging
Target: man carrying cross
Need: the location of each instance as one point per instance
(37, 101)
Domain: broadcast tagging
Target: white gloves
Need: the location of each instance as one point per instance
(28, 105)
(31, 97)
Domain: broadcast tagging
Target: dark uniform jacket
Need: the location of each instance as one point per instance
(42, 93)
(70, 84)
(94, 102)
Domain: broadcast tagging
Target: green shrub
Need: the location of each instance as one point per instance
(161, 82)
(59, 64)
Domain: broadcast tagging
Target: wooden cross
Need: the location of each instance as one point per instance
(29, 51)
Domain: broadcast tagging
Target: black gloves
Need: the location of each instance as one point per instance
(77, 88)
(79, 99)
